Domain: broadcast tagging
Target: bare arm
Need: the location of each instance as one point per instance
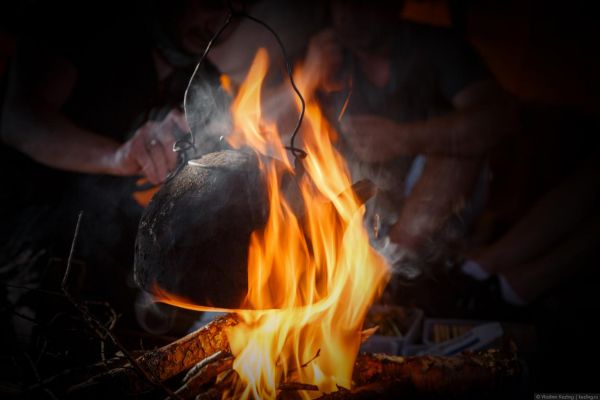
(33, 124)
(448, 180)
(483, 116)
(558, 214)
(442, 191)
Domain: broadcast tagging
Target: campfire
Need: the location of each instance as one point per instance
(309, 274)
(295, 200)
(311, 279)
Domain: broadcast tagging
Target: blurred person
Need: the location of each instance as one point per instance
(90, 111)
(418, 111)
(86, 112)
(542, 224)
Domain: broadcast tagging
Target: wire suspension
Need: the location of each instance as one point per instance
(181, 146)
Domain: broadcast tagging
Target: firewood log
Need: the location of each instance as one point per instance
(172, 359)
(203, 375)
(184, 353)
(468, 375)
(486, 374)
(430, 373)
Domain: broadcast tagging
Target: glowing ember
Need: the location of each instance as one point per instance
(313, 277)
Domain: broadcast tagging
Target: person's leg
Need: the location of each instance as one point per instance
(437, 190)
(441, 191)
(557, 214)
(530, 280)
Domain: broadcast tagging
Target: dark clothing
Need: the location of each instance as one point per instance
(429, 66)
(116, 91)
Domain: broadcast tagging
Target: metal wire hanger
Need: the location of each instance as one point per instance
(184, 144)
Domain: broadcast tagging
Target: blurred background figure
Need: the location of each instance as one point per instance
(422, 116)
(418, 112)
(90, 105)
(487, 171)
(503, 186)
(538, 252)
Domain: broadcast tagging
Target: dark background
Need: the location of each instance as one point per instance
(546, 53)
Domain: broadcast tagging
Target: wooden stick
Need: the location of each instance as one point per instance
(204, 375)
(295, 386)
(222, 389)
(173, 358)
(439, 374)
(101, 330)
(203, 363)
(184, 353)
(468, 374)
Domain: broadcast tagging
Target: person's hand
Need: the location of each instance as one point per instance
(371, 137)
(324, 58)
(150, 151)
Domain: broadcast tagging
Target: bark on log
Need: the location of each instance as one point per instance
(172, 359)
(204, 375)
(435, 373)
(222, 388)
(184, 353)
(486, 374)
(468, 375)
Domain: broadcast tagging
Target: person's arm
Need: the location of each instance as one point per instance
(448, 179)
(33, 124)
(441, 192)
(537, 232)
(483, 116)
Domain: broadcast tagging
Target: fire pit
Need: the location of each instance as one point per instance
(224, 233)
(208, 364)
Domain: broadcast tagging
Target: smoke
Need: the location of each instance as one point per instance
(153, 317)
(210, 122)
(208, 113)
(294, 23)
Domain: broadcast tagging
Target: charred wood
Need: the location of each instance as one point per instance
(172, 359)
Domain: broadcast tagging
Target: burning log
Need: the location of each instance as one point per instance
(184, 353)
(379, 376)
(436, 373)
(203, 353)
(204, 372)
(464, 375)
(172, 359)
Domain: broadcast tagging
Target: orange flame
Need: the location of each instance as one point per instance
(311, 277)
(315, 275)
(226, 84)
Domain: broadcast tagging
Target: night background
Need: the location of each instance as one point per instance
(475, 120)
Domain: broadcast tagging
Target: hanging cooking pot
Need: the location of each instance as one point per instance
(194, 235)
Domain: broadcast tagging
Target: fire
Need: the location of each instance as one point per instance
(315, 275)
(312, 275)
(226, 84)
